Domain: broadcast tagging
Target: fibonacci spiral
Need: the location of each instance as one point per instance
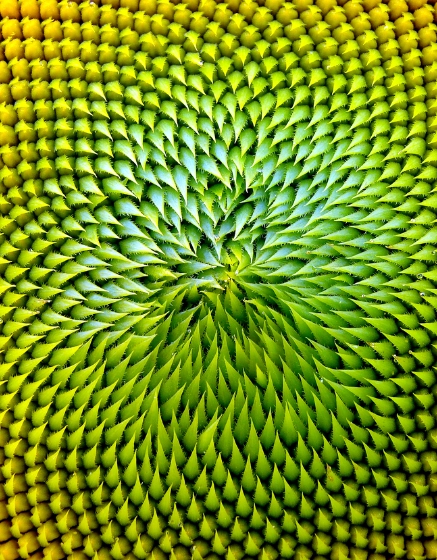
(218, 279)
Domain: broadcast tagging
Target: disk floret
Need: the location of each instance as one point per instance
(217, 279)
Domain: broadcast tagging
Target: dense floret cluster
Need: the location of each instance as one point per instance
(218, 288)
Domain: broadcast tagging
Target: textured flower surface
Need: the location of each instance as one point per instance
(218, 279)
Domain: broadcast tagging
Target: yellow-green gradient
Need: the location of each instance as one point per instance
(218, 279)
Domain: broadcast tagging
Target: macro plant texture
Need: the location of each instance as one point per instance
(218, 279)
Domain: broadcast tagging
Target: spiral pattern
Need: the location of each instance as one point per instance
(218, 279)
